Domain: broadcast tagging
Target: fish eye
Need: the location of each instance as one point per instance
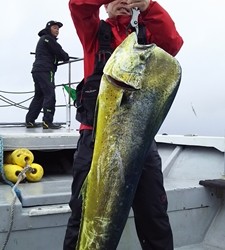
(142, 57)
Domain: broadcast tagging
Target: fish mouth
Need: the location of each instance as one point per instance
(119, 84)
(139, 46)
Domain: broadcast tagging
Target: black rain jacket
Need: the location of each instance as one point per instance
(48, 53)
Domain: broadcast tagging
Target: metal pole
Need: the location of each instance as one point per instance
(68, 109)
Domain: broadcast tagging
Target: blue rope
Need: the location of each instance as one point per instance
(2, 174)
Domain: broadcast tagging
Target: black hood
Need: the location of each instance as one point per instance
(44, 32)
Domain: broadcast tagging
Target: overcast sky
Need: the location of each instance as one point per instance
(200, 102)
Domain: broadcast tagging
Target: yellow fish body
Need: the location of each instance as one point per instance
(136, 92)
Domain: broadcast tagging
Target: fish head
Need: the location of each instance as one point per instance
(128, 63)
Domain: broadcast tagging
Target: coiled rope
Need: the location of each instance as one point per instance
(15, 191)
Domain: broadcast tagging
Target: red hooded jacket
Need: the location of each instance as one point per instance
(160, 30)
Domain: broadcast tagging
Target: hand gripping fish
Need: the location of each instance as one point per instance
(137, 90)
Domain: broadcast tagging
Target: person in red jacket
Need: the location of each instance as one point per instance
(150, 202)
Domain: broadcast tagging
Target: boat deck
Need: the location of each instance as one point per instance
(197, 213)
(38, 138)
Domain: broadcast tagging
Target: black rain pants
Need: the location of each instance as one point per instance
(149, 205)
(44, 97)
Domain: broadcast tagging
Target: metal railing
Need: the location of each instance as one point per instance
(11, 103)
(68, 105)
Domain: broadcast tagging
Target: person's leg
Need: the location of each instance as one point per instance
(48, 89)
(37, 101)
(150, 206)
(81, 167)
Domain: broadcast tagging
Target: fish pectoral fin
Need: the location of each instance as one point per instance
(119, 84)
(83, 189)
(95, 120)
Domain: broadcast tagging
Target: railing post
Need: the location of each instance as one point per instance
(68, 106)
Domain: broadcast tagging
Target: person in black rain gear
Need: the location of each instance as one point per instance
(47, 55)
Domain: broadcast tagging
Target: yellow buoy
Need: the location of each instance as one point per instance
(20, 156)
(36, 174)
(11, 172)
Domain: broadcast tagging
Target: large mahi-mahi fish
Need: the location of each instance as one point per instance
(136, 92)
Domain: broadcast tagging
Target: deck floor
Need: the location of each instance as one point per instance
(198, 247)
(38, 138)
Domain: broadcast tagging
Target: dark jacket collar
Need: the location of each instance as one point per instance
(46, 32)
